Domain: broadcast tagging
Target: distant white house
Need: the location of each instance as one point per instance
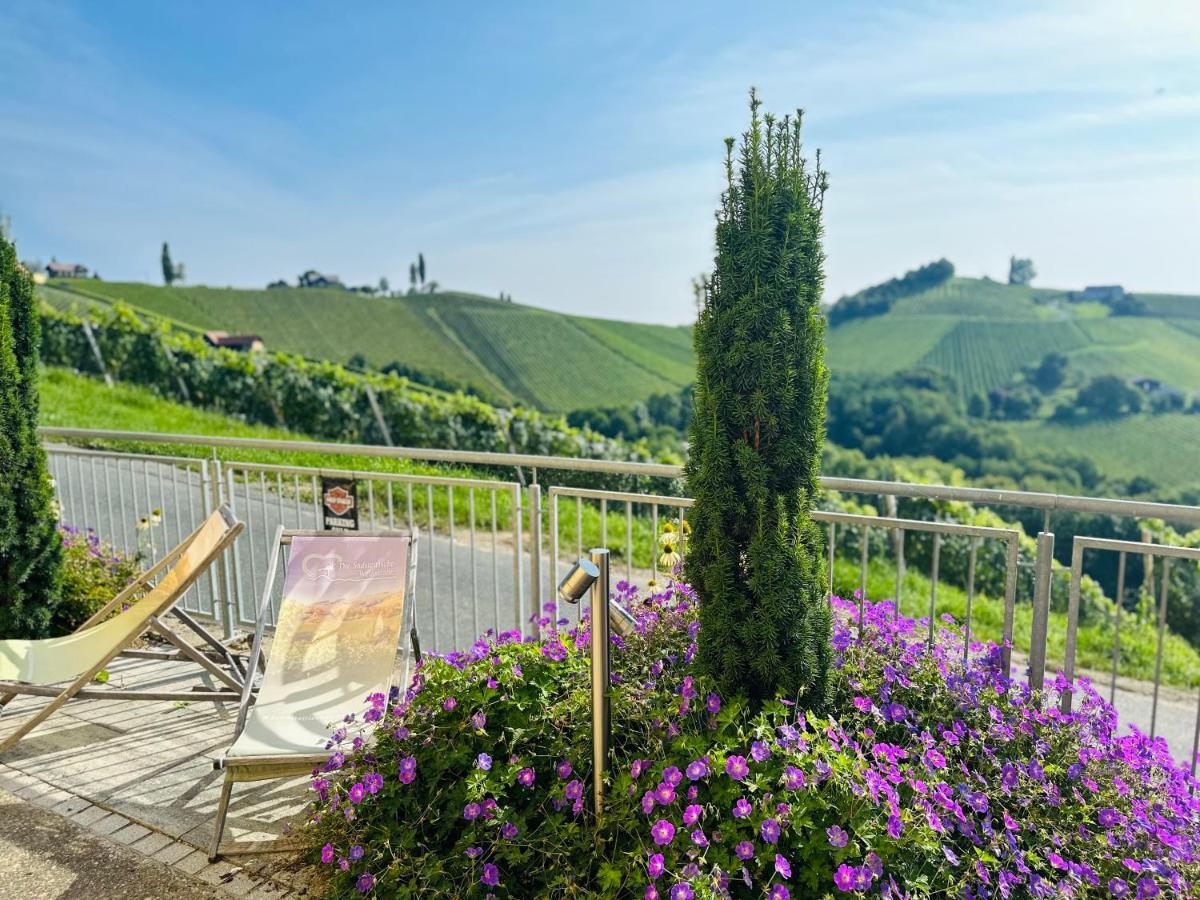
(66, 270)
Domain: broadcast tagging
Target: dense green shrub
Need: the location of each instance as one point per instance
(30, 551)
(758, 426)
(930, 777)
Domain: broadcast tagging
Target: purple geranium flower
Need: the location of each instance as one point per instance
(770, 830)
(837, 836)
(737, 768)
(490, 876)
(663, 832)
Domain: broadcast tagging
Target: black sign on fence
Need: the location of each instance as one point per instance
(339, 503)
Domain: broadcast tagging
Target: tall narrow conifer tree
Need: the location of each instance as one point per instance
(755, 556)
(30, 548)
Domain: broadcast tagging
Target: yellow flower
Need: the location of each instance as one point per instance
(669, 558)
(143, 523)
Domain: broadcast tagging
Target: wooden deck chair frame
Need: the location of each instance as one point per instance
(269, 768)
(78, 689)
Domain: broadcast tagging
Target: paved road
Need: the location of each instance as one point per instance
(452, 606)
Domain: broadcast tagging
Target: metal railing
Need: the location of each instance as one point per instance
(487, 563)
(1164, 552)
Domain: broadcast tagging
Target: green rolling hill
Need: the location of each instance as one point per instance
(507, 352)
(981, 332)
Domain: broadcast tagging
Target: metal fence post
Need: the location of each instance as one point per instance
(518, 550)
(1041, 609)
(225, 598)
(535, 554)
(1064, 702)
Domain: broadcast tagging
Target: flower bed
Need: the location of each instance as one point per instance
(93, 573)
(928, 776)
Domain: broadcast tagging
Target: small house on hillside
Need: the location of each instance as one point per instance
(1102, 293)
(314, 279)
(242, 343)
(66, 270)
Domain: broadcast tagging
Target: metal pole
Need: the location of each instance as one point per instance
(535, 555)
(1041, 610)
(1064, 702)
(601, 722)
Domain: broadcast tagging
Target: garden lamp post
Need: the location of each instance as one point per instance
(584, 574)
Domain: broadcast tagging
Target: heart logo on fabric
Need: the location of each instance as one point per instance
(318, 565)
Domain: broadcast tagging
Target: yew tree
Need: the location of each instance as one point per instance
(30, 546)
(755, 556)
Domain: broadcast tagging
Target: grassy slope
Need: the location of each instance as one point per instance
(513, 353)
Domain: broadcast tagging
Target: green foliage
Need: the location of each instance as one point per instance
(168, 267)
(93, 573)
(878, 299)
(758, 427)
(1050, 373)
(30, 551)
(1020, 271)
(1104, 397)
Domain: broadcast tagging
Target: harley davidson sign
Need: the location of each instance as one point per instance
(339, 499)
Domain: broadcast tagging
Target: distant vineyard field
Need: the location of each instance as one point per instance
(510, 353)
(1162, 447)
(986, 355)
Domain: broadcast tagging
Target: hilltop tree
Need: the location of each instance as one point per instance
(758, 426)
(384, 287)
(168, 269)
(412, 278)
(421, 266)
(171, 272)
(30, 548)
(1020, 271)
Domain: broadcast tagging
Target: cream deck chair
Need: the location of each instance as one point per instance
(346, 602)
(37, 666)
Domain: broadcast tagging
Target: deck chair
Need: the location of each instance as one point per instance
(40, 667)
(346, 601)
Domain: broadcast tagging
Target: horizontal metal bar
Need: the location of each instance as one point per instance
(464, 457)
(363, 475)
(1094, 543)
(619, 496)
(68, 450)
(980, 531)
(988, 496)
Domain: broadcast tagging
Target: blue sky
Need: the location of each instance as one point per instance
(570, 154)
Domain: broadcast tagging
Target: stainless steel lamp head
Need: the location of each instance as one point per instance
(578, 580)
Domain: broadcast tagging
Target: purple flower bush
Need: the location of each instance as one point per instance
(929, 777)
(93, 573)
